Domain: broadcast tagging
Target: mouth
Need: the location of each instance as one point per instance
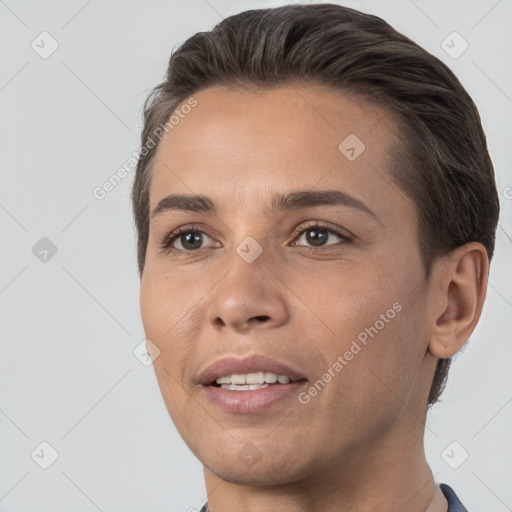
(251, 384)
(252, 381)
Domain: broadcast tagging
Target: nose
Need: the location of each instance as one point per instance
(249, 296)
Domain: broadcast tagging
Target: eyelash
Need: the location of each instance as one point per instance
(311, 225)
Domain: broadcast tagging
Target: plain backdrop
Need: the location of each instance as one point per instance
(69, 287)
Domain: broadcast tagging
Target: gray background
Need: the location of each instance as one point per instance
(70, 324)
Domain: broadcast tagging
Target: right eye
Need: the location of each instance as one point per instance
(185, 239)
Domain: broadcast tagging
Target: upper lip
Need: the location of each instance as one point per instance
(232, 365)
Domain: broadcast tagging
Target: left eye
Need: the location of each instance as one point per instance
(318, 236)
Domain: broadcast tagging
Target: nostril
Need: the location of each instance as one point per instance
(262, 317)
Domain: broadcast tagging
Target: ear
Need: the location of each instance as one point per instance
(459, 286)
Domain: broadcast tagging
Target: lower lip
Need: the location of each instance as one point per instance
(252, 401)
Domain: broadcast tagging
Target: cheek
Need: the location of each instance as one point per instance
(345, 299)
(169, 304)
(171, 320)
(374, 322)
(380, 364)
(166, 316)
(393, 344)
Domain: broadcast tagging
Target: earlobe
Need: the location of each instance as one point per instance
(459, 289)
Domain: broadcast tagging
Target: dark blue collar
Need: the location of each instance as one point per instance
(454, 504)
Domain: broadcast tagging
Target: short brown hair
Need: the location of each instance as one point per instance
(442, 163)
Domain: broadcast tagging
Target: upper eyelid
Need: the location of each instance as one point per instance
(323, 224)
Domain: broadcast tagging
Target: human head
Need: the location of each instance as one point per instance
(442, 162)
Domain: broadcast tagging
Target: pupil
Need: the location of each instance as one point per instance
(193, 240)
(318, 238)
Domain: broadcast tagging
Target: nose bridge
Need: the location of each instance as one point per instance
(249, 294)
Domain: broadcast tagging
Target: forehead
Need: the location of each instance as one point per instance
(253, 142)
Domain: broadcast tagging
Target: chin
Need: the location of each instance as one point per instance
(250, 466)
(235, 472)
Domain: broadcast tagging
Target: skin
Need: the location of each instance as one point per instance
(358, 444)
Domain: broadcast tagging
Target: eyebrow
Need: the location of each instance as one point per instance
(280, 202)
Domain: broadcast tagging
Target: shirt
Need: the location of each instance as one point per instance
(454, 504)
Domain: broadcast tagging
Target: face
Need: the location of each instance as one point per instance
(301, 260)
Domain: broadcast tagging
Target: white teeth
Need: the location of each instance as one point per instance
(271, 378)
(237, 379)
(247, 387)
(257, 378)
